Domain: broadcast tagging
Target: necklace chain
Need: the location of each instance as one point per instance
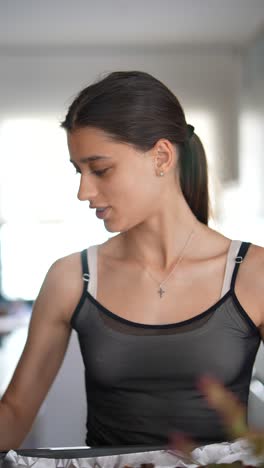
(161, 291)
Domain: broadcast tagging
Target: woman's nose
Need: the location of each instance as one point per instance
(87, 189)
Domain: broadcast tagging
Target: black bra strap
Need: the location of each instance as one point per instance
(239, 259)
(85, 270)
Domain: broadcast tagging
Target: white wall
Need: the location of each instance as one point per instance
(251, 125)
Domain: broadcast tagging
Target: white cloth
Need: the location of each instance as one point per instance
(225, 452)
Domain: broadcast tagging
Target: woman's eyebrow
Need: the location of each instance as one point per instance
(94, 157)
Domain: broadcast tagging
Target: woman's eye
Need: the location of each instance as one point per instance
(99, 173)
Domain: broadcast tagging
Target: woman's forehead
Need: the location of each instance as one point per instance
(89, 136)
(92, 144)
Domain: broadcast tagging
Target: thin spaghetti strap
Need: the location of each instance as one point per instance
(92, 261)
(231, 255)
(85, 270)
(239, 259)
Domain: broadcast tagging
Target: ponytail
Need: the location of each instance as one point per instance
(194, 177)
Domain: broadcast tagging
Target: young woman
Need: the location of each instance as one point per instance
(164, 302)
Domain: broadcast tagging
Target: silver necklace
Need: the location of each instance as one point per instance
(162, 291)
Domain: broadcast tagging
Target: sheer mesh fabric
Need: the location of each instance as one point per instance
(116, 323)
(141, 380)
(128, 329)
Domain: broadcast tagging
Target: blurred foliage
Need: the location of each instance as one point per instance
(234, 416)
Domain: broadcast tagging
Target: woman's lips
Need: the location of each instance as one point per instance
(102, 213)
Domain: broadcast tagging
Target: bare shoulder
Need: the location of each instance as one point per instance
(256, 261)
(63, 285)
(258, 256)
(67, 266)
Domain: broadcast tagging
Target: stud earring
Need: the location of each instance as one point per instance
(161, 173)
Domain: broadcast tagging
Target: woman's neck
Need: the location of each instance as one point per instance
(159, 240)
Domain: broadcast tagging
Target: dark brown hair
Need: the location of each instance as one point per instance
(134, 107)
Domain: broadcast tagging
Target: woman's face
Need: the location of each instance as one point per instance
(116, 176)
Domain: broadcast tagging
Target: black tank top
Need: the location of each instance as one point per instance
(141, 380)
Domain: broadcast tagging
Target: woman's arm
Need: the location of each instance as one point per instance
(48, 337)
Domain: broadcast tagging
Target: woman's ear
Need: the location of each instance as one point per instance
(165, 156)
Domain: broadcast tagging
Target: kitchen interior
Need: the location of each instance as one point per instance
(210, 54)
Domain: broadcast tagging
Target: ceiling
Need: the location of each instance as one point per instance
(82, 23)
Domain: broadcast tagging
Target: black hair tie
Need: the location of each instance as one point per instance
(190, 131)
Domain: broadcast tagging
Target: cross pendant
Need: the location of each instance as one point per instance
(161, 291)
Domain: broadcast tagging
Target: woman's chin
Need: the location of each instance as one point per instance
(111, 227)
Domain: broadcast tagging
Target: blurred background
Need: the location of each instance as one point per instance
(209, 53)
